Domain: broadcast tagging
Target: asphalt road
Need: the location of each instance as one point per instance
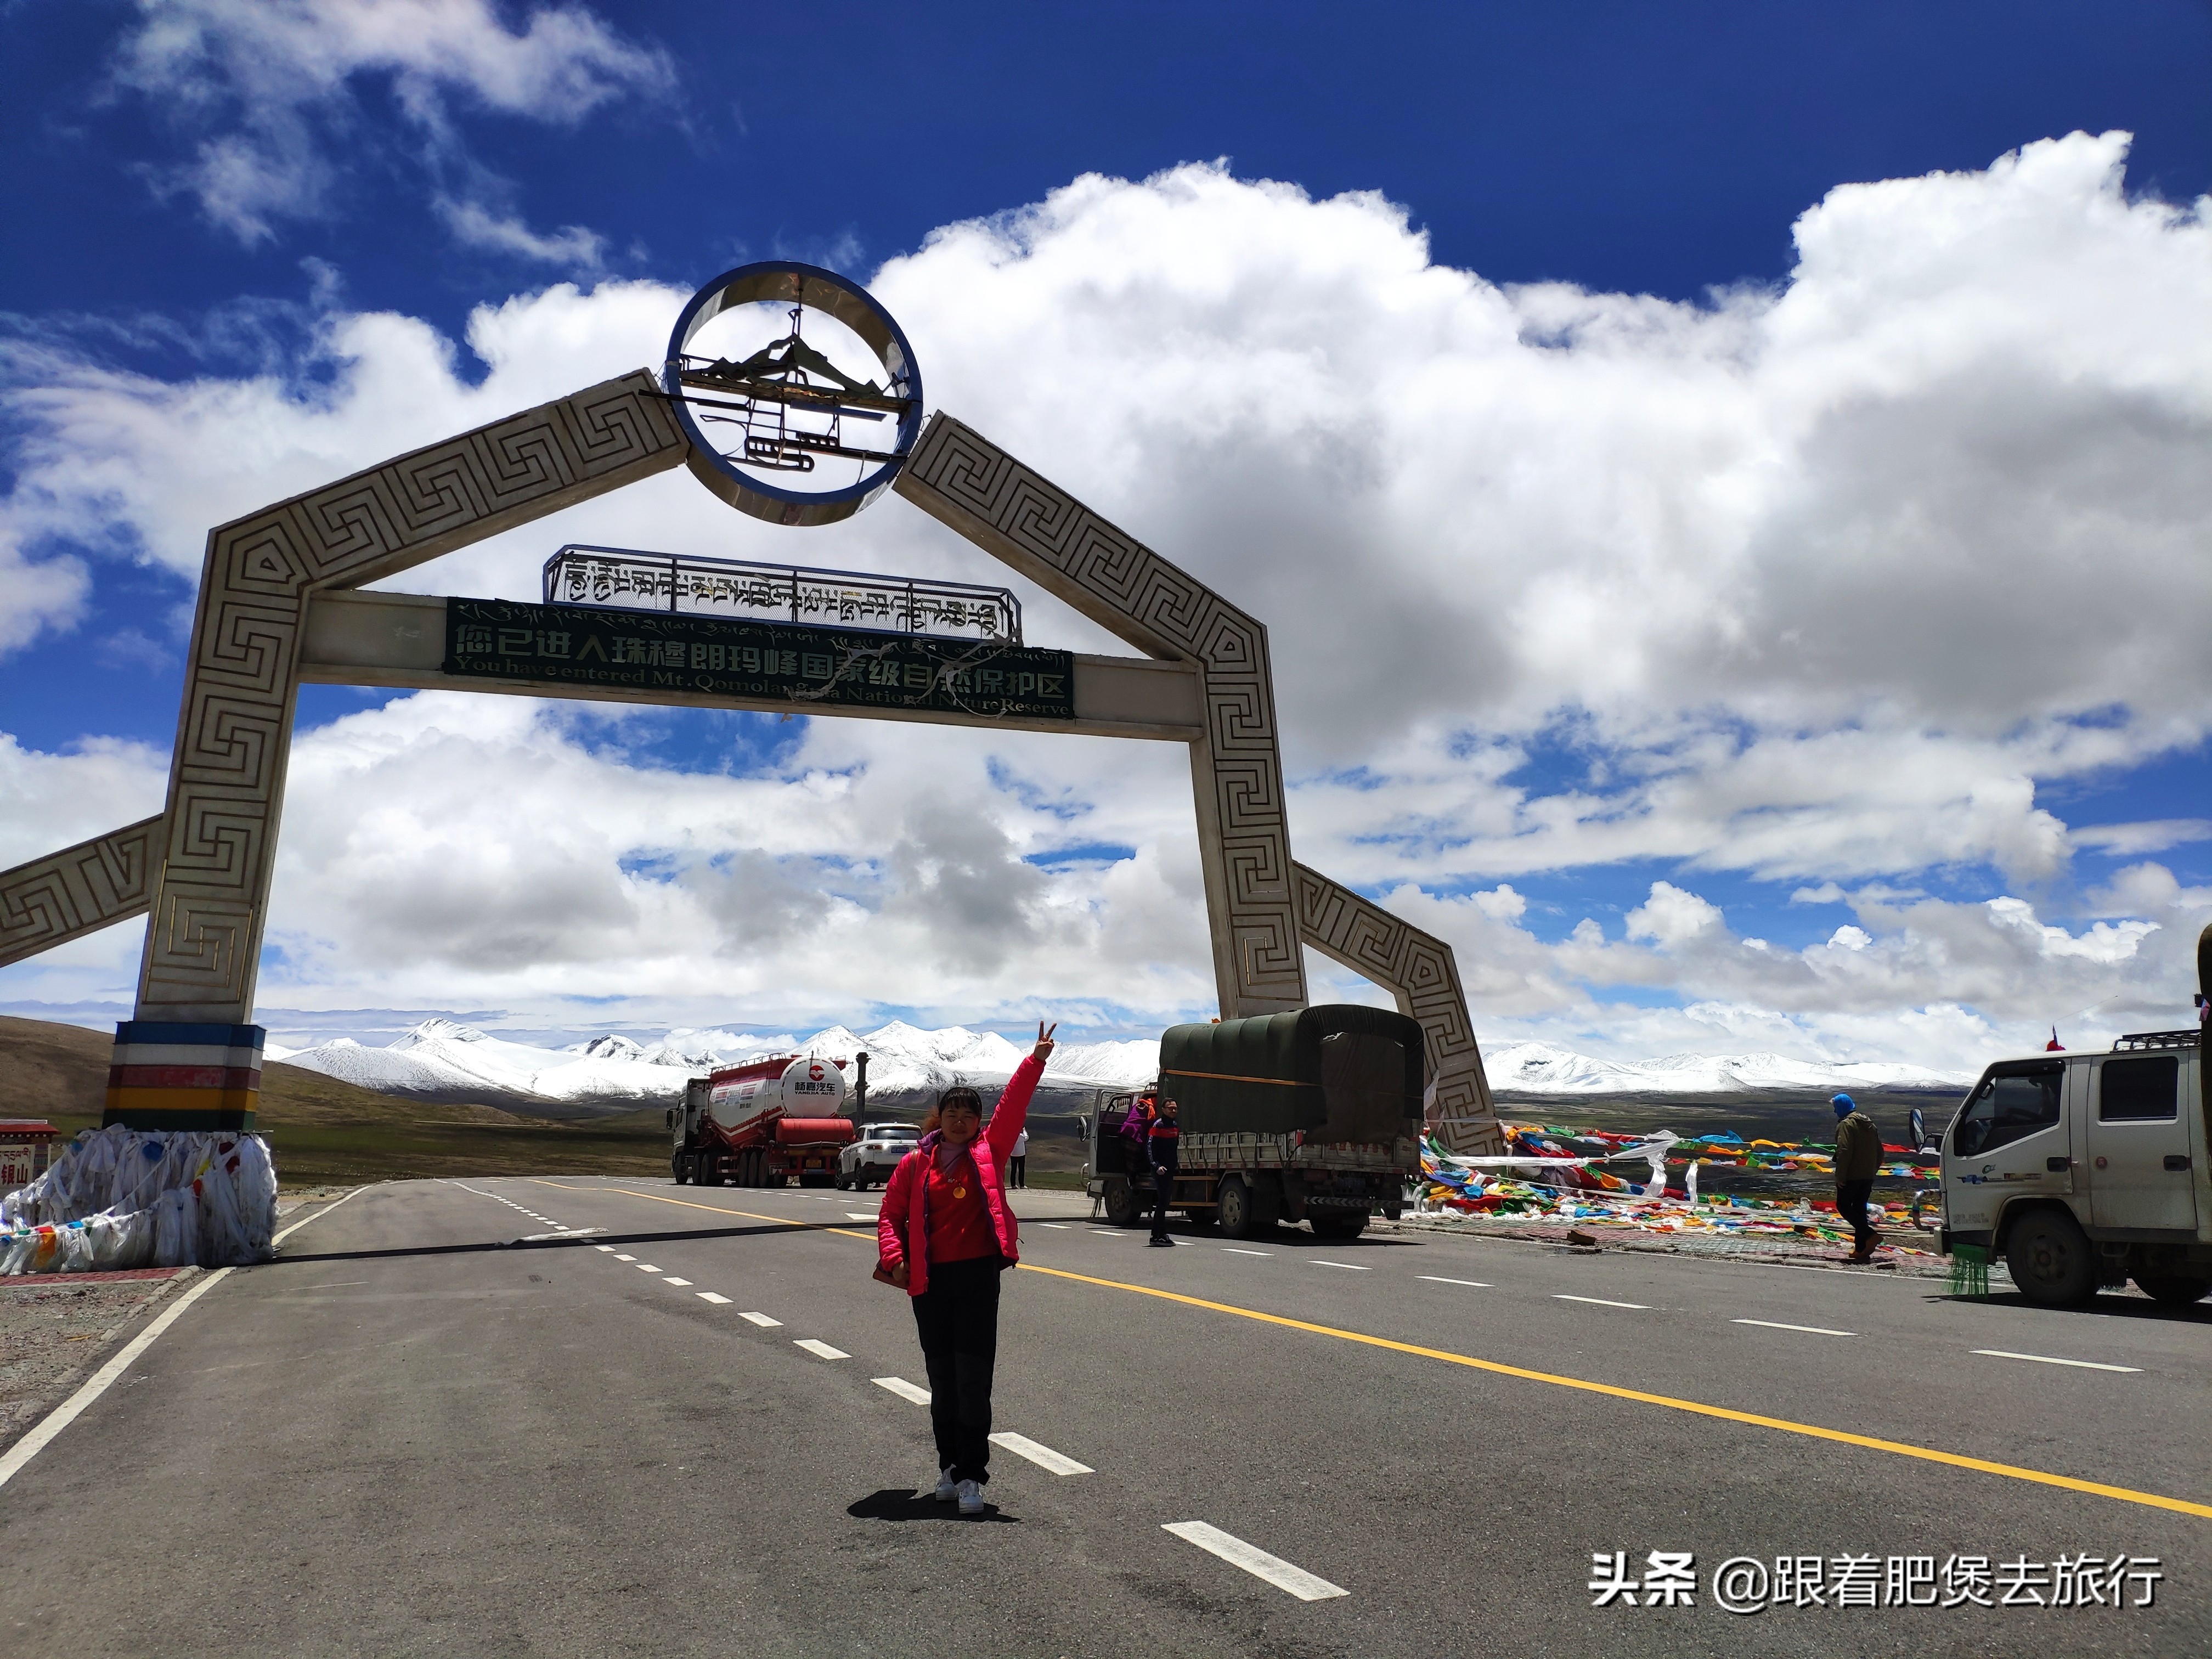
(421, 1431)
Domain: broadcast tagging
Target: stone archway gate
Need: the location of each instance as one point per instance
(278, 604)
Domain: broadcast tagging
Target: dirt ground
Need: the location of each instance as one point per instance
(55, 1332)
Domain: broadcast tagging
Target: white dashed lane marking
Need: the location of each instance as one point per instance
(609, 1248)
(1472, 1284)
(519, 1209)
(1057, 1226)
(719, 1301)
(820, 1349)
(625, 1258)
(762, 1320)
(1230, 1249)
(1254, 1560)
(1810, 1330)
(2048, 1359)
(1348, 1267)
(1599, 1301)
(647, 1267)
(860, 1215)
(902, 1388)
(1044, 1456)
(671, 1279)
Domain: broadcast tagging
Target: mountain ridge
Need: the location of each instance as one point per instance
(442, 1059)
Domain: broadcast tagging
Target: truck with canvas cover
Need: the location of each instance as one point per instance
(1312, 1116)
(766, 1123)
(2084, 1170)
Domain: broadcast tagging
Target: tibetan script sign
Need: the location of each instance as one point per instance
(558, 645)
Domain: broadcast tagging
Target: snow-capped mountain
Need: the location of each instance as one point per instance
(1537, 1069)
(443, 1060)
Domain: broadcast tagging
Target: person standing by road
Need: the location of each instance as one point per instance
(1019, 1166)
(944, 1235)
(1161, 1146)
(1858, 1158)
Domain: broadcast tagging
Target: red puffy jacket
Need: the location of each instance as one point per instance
(902, 1231)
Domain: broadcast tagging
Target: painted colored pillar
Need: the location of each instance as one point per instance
(165, 1075)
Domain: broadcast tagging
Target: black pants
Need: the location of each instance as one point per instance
(957, 1319)
(1850, 1204)
(1018, 1170)
(1162, 1190)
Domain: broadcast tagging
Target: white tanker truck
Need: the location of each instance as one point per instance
(764, 1124)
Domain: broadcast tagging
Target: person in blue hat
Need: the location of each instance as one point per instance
(1858, 1159)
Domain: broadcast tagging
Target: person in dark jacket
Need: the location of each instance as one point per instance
(943, 1235)
(1160, 1149)
(1858, 1159)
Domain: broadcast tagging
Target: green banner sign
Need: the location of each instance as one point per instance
(558, 645)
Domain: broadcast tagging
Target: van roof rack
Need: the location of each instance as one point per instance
(2156, 1040)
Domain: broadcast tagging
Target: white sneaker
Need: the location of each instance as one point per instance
(946, 1490)
(971, 1498)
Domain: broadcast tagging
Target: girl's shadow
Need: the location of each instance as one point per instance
(899, 1503)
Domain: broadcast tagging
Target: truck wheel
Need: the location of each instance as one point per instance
(2175, 1290)
(2050, 1260)
(1122, 1207)
(710, 1169)
(682, 1167)
(1338, 1226)
(1237, 1208)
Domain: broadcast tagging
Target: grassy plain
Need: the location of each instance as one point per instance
(325, 1132)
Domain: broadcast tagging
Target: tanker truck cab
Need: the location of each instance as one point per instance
(2084, 1170)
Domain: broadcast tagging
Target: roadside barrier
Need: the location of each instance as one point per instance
(119, 1198)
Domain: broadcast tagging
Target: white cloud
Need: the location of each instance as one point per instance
(43, 594)
(117, 461)
(1943, 984)
(1673, 917)
(497, 847)
(273, 86)
(2155, 835)
(1817, 585)
(474, 225)
(49, 801)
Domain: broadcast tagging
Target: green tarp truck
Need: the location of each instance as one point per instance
(1310, 1116)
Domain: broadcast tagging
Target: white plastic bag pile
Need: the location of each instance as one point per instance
(119, 1198)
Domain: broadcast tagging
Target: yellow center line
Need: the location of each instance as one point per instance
(1781, 1424)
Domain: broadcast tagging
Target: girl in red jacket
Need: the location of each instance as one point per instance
(945, 1234)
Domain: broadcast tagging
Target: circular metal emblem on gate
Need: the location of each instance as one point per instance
(797, 391)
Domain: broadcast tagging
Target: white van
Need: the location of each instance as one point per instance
(2087, 1170)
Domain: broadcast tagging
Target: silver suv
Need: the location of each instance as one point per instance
(873, 1157)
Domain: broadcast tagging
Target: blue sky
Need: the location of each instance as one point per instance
(1796, 518)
